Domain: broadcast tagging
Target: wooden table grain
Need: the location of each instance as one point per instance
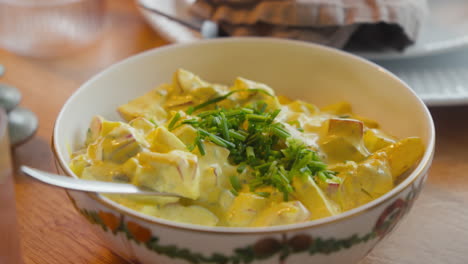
(435, 231)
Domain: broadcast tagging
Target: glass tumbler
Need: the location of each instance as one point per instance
(9, 233)
(48, 28)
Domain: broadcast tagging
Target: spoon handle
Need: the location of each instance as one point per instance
(88, 185)
(208, 29)
(183, 22)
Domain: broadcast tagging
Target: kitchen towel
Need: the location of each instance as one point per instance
(355, 24)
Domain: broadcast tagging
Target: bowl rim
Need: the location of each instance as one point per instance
(420, 170)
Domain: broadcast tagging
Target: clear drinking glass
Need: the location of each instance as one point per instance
(9, 236)
(44, 28)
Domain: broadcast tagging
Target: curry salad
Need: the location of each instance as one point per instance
(241, 156)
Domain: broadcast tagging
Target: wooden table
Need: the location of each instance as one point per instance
(436, 231)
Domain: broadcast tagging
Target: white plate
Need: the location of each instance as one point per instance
(446, 27)
(438, 79)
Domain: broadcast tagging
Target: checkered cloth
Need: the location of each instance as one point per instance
(356, 24)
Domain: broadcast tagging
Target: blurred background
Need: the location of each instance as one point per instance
(49, 48)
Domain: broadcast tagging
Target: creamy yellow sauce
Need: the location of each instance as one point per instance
(144, 152)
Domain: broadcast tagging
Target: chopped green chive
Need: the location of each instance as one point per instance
(221, 98)
(250, 153)
(217, 120)
(235, 183)
(244, 133)
(247, 110)
(295, 122)
(201, 146)
(192, 121)
(263, 194)
(255, 140)
(224, 126)
(236, 135)
(173, 121)
(241, 168)
(191, 147)
(235, 113)
(280, 132)
(254, 117)
(208, 113)
(153, 122)
(190, 110)
(274, 114)
(263, 166)
(217, 140)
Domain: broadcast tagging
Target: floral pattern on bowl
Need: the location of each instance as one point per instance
(264, 248)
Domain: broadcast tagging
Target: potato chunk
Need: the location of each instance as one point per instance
(375, 176)
(101, 171)
(283, 213)
(245, 208)
(99, 127)
(268, 96)
(189, 83)
(344, 141)
(143, 125)
(375, 140)
(313, 198)
(341, 108)
(118, 145)
(174, 172)
(403, 154)
(137, 202)
(149, 106)
(186, 133)
(303, 107)
(362, 182)
(163, 141)
(192, 214)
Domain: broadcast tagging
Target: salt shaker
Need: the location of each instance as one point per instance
(9, 233)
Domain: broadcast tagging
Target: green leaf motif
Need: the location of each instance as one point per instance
(264, 248)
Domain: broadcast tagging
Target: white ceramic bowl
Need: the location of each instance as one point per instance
(313, 73)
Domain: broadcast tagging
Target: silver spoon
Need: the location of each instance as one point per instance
(208, 29)
(90, 186)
